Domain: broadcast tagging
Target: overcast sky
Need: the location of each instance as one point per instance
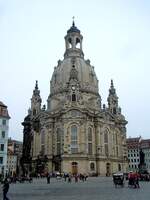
(116, 39)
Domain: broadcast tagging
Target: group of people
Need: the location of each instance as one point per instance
(68, 177)
(133, 178)
(77, 177)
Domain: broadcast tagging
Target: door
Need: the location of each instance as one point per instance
(108, 172)
(74, 168)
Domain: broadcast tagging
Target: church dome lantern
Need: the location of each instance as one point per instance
(73, 41)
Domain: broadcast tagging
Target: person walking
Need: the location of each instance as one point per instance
(137, 180)
(76, 178)
(48, 178)
(69, 178)
(5, 189)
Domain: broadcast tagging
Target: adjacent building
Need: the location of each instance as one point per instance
(145, 147)
(11, 163)
(4, 127)
(136, 146)
(75, 132)
(14, 155)
(133, 145)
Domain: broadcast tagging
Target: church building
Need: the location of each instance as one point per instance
(74, 133)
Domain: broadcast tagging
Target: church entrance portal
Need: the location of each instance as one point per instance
(108, 171)
(74, 168)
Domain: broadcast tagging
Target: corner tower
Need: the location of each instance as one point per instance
(112, 99)
(36, 101)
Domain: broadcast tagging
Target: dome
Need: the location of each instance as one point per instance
(74, 77)
(73, 28)
(85, 73)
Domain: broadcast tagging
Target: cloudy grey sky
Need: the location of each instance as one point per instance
(116, 40)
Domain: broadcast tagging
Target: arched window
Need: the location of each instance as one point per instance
(90, 151)
(116, 144)
(34, 112)
(114, 111)
(119, 167)
(92, 166)
(106, 142)
(90, 134)
(73, 97)
(78, 43)
(42, 137)
(117, 151)
(70, 43)
(116, 139)
(42, 142)
(106, 136)
(58, 139)
(74, 139)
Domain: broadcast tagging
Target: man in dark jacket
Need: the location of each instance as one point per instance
(5, 189)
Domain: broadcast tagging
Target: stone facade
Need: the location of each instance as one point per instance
(75, 133)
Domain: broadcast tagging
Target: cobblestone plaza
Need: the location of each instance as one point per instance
(93, 189)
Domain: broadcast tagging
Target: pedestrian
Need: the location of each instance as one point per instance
(65, 176)
(48, 178)
(131, 179)
(69, 178)
(85, 177)
(137, 180)
(76, 178)
(5, 189)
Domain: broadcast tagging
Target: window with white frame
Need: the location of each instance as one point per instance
(3, 134)
(4, 122)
